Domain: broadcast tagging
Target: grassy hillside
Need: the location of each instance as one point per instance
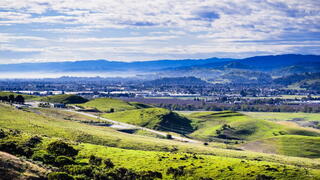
(237, 126)
(59, 127)
(135, 162)
(289, 145)
(302, 119)
(27, 97)
(173, 159)
(64, 98)
(12, 167)
(106, 104)
(281, 116)
(154, 118)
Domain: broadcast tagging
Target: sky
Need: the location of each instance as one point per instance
(139, 30)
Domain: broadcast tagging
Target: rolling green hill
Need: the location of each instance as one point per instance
(154, 118)
(139, 154)
(95, 161)
(106, 104)
(236, 126)
(289, 145)
(64, 98)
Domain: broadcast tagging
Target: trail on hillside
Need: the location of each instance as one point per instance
(117, 125)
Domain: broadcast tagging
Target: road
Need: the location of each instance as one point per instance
(122, 125)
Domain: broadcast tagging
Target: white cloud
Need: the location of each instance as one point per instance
(162, 28)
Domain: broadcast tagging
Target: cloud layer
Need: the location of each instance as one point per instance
(127, 30)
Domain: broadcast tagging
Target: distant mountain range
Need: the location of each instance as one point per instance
(261, 63)
(259, 69)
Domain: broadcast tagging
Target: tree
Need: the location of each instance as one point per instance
(11, 98)
(19, 99)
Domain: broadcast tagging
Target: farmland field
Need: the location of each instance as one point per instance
(275, 116)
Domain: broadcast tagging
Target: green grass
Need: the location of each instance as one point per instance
(55, 126)
(27, 97)
(280, 116)
(289, 145)
(243, 126)
(106, 104)
(196, 166)
(154, 118)
(38, 124)
(63, 98)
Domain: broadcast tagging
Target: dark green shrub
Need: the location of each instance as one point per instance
(59, 176)
(123, 173)
(63, 160)
(60, 148)
(43, 157)
(15, 148)
(79, 169)
(2, 134)
(146, 175)
(264, 177)
(169, 136)
(108, 163)
(176, 171)
(33, 141)
(96, 161)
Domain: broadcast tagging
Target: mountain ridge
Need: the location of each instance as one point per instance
(256, 62)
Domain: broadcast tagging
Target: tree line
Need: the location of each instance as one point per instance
(242, 107)
(19, 99)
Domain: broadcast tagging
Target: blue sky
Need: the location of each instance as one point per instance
(136, 30)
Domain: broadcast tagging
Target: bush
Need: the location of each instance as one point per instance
(79, 169)
(33, 141)
(15, 148)
(43, 157)
(176, 171)
(108, 163)
(60, 148)
(96, 161)
(2, 134)
(146, 175)
(169, 136)
(63, 160)
(123, 173)
(59, 176)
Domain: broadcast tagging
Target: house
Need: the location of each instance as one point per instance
(58, 105)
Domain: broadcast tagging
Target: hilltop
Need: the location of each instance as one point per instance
(63, 98)
(109, 104)
(154, 118)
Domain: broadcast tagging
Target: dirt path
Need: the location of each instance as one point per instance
(117, 124)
